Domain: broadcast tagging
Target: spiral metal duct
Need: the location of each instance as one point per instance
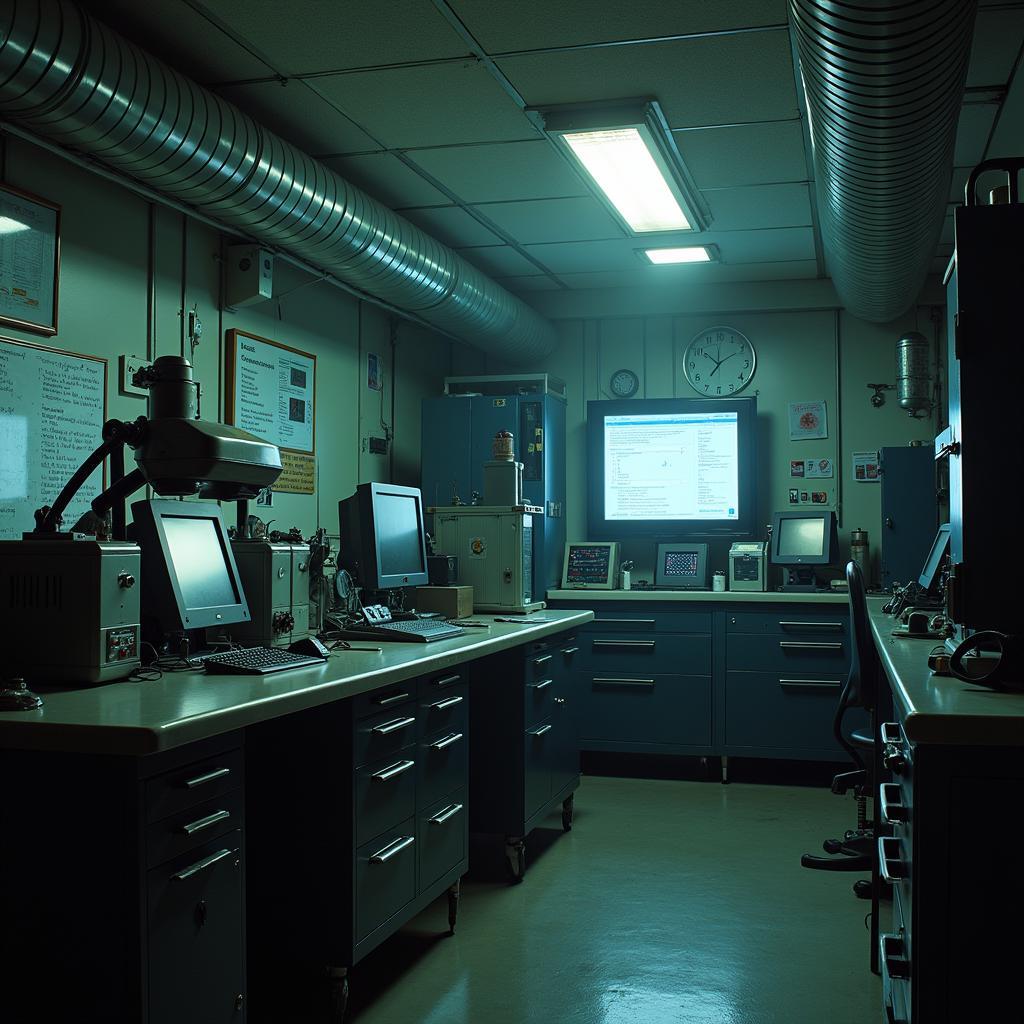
(68, 78)
(884, 81)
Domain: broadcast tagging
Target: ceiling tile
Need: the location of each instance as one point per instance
(451, 225)
(298, 114)
(972, 132)
(690, 78)
(527, 24)
(499, 261)
(648, 277)
(554, 220)
(996, 44)
(434, 105)
(482, 174)
(385, 177)
(749, 154)
(767, 246)
(532, 283)
(577, 257)
(759, 206)
(323, 35)
(181, 36)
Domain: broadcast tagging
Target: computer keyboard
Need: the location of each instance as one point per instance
(414, 630)
(257, 661)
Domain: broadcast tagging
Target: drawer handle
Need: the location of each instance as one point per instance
(796, 645)
(832, 627)
(822, 685)
(393, 726)
(201, 780)
(542, 660)
(649, 644)
(609, 681)
(385, 854)
(569, 651)
(392, 699)
(392, 771)
(894, 810)
(540, 732)
(446, 815)
(629, 622)
(202, 865)
(542, 685)
(199, 824)
(448, 702)
(447, 681)
(892, 952)
(447, 741)
(890, 866)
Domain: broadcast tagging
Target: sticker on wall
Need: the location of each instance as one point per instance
(265, 497)
(804, 497)
(373, 375)
(819, 497)
(477, 547)
(796, 467)
(794, 496)
(865, 467)
(819, 468)
(807, 421)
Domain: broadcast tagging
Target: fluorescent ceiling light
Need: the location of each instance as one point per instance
(624, 168)
(626, 149)
(689, 254)
(10, 226)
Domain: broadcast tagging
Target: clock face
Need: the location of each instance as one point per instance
(719, 362)
(624, 383)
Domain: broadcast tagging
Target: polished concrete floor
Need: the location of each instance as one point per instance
(670, 902)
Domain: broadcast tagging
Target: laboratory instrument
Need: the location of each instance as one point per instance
(591, 566)
(747, 566)
(681, 567)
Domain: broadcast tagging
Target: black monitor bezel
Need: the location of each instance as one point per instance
(601, 528)
(830, 534)
(933, 563)
(701, 577)
(162, 598)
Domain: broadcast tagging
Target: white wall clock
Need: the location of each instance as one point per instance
(719, 362)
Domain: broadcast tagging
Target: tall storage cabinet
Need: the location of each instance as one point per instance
(909, 511)
(452, 466)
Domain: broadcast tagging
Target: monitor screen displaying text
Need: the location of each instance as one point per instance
(671, 466)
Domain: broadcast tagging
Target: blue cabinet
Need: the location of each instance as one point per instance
(909, 511)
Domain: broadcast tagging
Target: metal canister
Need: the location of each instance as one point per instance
(859, 550)
(502, 446)
(913, 373)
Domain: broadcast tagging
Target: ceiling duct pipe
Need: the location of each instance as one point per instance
(884, 82)
(71, 80)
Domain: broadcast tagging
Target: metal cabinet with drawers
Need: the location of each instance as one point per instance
(373, 795)
(525, 750)
(150, 852)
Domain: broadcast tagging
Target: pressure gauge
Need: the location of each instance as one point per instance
(624, 384)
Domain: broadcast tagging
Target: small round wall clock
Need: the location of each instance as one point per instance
(624, 384)
(719, 362)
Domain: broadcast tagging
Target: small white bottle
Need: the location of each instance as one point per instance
(718, 582)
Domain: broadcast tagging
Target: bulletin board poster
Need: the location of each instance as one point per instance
(29, 261)
(271, 391)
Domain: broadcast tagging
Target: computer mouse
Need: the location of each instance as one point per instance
(309, 645)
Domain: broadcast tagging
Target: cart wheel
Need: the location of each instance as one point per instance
(567, 812)
(453, 905)
(337, 995)
(515, 859)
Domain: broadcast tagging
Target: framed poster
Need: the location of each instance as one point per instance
(271, 391)
(29, 261)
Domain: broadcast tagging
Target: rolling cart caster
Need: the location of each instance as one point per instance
(862, 889)
(567, 812)
(725, 770)
(337, 994)
(454, 892)
(515, 858)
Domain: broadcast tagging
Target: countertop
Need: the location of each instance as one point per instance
(941, 709)
(144, 717)
(701, 596)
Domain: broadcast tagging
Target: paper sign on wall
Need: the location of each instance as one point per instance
(865, 467)
(298, 473)
(807, 421)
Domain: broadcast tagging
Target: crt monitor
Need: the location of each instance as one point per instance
(189, 576)
(804, 538)
(383, 540)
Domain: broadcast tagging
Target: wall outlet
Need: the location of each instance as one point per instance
(378, 446)
(129, 364)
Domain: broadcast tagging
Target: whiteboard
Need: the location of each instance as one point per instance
(271, 391)
(52, 408)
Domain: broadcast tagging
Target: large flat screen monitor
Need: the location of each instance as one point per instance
(671, 468)
(189, 576)
(383, 541)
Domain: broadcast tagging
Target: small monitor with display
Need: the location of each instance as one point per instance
(802, 540)
(189, 576)
(590, 566)
(383, 541)
(930, 577)
(681, 567)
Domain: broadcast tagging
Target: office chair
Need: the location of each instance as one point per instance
(856, 850)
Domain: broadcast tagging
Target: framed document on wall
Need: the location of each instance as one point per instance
(29, 261)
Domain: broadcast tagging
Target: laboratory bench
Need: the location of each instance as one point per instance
(710, 674)
(195, 847)
(951, 785)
